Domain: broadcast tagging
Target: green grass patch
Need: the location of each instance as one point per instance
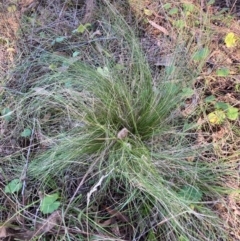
(152, 183)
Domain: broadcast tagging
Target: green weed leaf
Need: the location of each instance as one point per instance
(201, 54)
(187, 92)
(103, 71)
(75, 54)
(223, 72)
(230, 40)
(82, 28)
(173, 11)
(188, 7)
(211, 2)
(60, 39)
(232, 113)
(167, 6)
(179, 23)
(52, 67)
(49, 203)
(221, 105)
(14, 186)
(216, 117)
(191, 193)
(26, 132)
(210, 99)
(6, 112)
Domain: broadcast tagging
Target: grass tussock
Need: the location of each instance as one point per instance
(150, 184)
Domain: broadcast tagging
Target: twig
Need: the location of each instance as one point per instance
(24, 172)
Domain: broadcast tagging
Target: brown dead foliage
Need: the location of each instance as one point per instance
(44, 226)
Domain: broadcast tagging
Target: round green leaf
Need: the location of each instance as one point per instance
(216, 117)
(7, 114)
(14, 186)
(232, 113)
(26, 132)
(210, 99)
(75, 54)
(167, 6)
(187, 92)
(60, 39)
(223, 72)
(173, 11)
(179, 23)
(49, 203)
(188, 7)
(221, 105)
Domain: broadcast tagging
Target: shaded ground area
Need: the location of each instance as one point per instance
(232, 5)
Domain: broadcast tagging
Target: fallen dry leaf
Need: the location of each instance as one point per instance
(48, 224)
(3, 232)
(117, 214)
(107, 222)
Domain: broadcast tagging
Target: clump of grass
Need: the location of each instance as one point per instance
(162, 195)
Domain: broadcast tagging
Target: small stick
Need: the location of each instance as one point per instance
(24, 172)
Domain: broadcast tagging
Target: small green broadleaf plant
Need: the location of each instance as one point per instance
(7, 114)
(223, 72)
(232, 113)
(49, 203)
(103, 71)
(187, 92)
(223, 111)
(230, 40)
(167, 6)
(14, 186)
(217, 117)
(188, 8)
(26, 133)
(82, 28)
(210, 99)
(59, 39)
(173, 11)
